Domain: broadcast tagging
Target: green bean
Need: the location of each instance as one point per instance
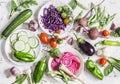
(73, 4)
(81, 5)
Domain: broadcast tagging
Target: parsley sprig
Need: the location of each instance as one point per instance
(22, 4)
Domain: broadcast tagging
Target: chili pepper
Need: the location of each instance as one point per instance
(39, 70)
(26, 57)
(109, 42)
(93, 68)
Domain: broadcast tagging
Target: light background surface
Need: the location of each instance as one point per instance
(112, 6)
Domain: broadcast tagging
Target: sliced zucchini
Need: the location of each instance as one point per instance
(24, 38)
(14, 58)
(13, 37)
(19, 45)
(27, 48)
(22, 33)
(33, 42)
(12, 43)
(32, 52)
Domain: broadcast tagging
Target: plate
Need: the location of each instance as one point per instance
(8, 48)
(55, 3)
(68, 48)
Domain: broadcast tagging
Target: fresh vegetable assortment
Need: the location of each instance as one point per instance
(65, 65)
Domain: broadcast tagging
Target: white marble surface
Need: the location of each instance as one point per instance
(112, 6)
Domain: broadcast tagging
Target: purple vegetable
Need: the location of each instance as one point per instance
(14, 71)
(70, 41)
(113, 27)
(85, 46)
(33, 25)
(93, 33)
(52, 19)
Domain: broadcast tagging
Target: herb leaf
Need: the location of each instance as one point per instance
(23, 3)
(108, 70)
(20, 79)
(13, 5)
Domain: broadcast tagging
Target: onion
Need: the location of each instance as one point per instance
(83, 22)
(14, 71)
(33, 25)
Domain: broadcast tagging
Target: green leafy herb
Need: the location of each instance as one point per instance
(55, 52)
(108, 70)
(20, 79)
(23, 4)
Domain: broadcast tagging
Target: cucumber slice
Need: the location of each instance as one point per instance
(33, 42)
(19, 45)
(32, 52)
(22, 33)
(13, 37)
(12, 43)
(24, 38)
(27, 48)
(14, 58)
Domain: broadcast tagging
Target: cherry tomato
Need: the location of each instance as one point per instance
(44, 38)
(53, 42)
(66, 21)
(105, 33)
(57, 31)
(103, 61)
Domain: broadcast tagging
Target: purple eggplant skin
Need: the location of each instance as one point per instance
(85, 46)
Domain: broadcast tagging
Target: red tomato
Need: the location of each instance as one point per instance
(57, 31)
(103, 61)
(105, 33)
(44, 38)
(53, 42)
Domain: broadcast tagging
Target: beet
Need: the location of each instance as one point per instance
(93, 33)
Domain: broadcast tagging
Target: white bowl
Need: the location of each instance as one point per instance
(68, 48)
(8, 48)
(55, 3)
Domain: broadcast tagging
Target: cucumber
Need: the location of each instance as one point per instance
(19, 45)
(13, 37)
(12, 43)
(27, 48)
(24, 38)
(22, 33)
(33, 42)
(22, 17)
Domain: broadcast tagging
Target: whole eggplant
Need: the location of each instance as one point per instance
(85, 46)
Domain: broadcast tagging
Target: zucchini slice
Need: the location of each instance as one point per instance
(33, 42)
(22, 33)
(13, 37)
(19, 45)
(24, 38)
(27, 48)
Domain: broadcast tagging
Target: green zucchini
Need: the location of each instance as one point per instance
(22, 17)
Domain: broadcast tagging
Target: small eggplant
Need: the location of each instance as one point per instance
(85, 46)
